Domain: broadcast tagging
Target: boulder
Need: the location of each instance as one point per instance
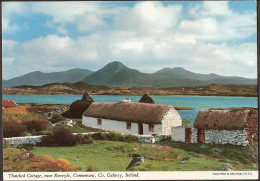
(147, 99)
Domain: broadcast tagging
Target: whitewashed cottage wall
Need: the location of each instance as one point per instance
(170, 119)
(120, 126)
(178, 133)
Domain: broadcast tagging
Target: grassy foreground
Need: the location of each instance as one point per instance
(113, 156)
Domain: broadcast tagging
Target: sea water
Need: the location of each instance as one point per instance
(197, 103)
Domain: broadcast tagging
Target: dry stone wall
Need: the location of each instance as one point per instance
(234, 137)
(15, 141)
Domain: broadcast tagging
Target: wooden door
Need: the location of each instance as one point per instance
(188, 135)
(201, 136)
(140, 129)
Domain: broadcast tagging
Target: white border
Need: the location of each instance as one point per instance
(157, 175)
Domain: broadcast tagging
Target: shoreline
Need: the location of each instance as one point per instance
(217, 95)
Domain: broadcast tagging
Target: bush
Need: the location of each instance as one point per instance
(61, 137)
(114, 136)
(36, 123)
(56, 118)
(88, 140)
(49, 164)
(13, 127)
(91, 169)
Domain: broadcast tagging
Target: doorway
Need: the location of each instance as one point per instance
(140, 129)
(201, 136)
(188, 135)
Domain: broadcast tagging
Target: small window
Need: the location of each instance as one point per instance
(128, 126)
(151, 127)
(99, 121)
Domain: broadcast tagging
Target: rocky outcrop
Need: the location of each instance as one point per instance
(86, 97)
(147, 99)
(78, 107)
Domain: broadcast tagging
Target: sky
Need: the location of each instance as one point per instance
(202, 36)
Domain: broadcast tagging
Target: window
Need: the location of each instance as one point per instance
(99, 121)
(151, 127)
(128, 126)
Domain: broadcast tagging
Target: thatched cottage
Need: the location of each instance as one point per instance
(132, 118)
(235, 126)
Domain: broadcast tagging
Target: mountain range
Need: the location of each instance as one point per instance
(116, 74)
(40, 78)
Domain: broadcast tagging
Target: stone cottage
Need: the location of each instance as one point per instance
(236, 126)
(132, 118)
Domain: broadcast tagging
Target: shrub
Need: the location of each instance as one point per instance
(49, 164)
(15, 110)
(56, 118)
(91, 169)
(13, 127)
(61, 137)
(114, 136)
(36, 123)
(88, 140)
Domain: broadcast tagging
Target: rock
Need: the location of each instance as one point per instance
(238, 143)
(76, 110)
(24, 156)
(86, 97)
(147, 99)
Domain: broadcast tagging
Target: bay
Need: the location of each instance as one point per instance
(196, 102)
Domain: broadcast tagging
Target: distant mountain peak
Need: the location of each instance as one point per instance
(116, 63)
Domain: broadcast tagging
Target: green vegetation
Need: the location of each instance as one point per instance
(112, 136)
(76, 128)
(165, 156)
(185, 122)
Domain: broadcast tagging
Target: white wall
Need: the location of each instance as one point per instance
(119, 126)
(170, 119)
(178, 133)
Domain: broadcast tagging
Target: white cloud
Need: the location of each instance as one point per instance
(211, 8)
(9, 8)
(85, 15)
(149, 33)
(215, 21)
(149, 17)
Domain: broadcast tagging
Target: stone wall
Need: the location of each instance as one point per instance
(234, 137)
(150, 138)
(15, 141)
(194, 135)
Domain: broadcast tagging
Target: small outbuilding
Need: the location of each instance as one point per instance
(9, 103)
(236, 126)
(132, 118)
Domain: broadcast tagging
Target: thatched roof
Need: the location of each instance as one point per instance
(128, 111)
(224, 119)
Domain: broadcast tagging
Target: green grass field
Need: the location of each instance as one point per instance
(113, 156)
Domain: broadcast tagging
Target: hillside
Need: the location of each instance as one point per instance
(80, 87)
(116, 74)
(39, 78)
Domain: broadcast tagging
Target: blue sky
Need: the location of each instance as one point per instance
(204, 37)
